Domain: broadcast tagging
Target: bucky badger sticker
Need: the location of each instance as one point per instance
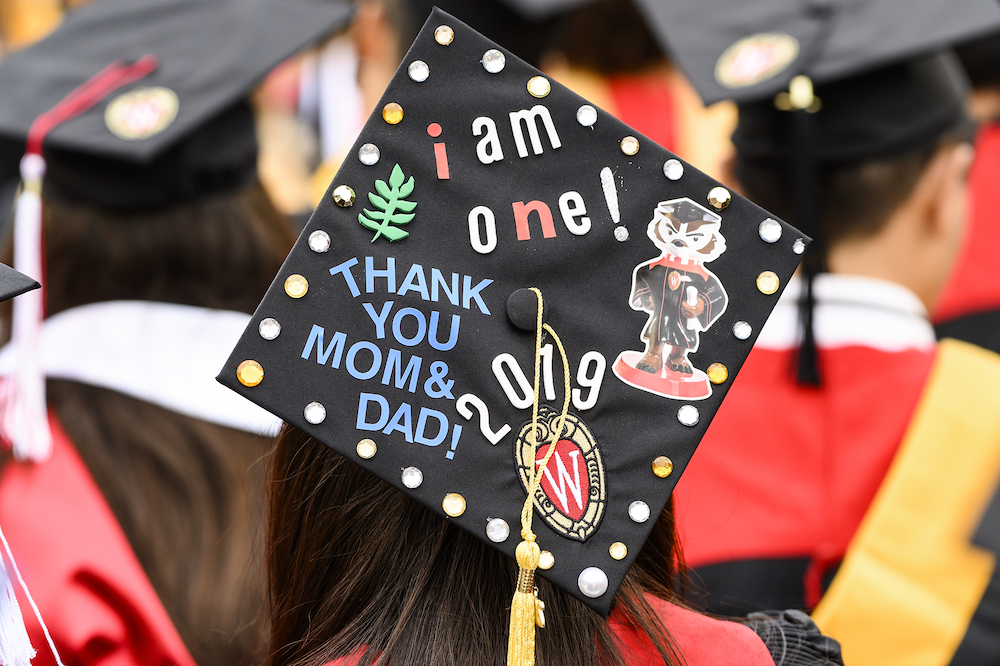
(572, 495)
(682, 297)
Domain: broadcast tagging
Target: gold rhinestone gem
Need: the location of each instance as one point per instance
(717, 373)
(618, 550)
(392, 113)
(367, 448)
(453, 505)
(630, 145)
(720, 198)
(444, 35)
(662, 466)
(546, 560)
(539, 86)
(250, 373)
(296, 286)
(343, 196)
(768, 282)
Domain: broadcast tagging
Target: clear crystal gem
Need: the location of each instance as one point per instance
(412, 477)
(621, 234)
(769, 230)
(418, 71)
(497, 530)
(368, 154)
(742, 330)
(319, 241)
(493, 61)
(314, 413)
(444, 35)
(586, 115)
(269, 328)
(638, 511)
(367, 448)
(592, 582)
(688, 415)
(799, 246)
(673, 169)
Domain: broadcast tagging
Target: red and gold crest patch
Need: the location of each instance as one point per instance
(673, 280)
(142, 113)
(756, 58)
(572, 495)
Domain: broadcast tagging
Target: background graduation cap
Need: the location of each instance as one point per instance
(134, 104)
(167, 120)
(750, 50)
(825, 83)
(401, 330)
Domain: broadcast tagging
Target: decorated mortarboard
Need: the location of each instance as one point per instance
(163, 88)
(403, 329)
(752, 50)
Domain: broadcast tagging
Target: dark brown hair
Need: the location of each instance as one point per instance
(854, 200)
(354, 564)
(188, 494)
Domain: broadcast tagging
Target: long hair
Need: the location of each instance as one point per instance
(354, 564)
(188, 494)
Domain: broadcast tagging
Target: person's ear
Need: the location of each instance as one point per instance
(946, 190)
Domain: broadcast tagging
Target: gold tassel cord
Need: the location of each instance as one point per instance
(526, 609)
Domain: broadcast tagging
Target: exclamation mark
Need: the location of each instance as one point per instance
(456, 433)
(440, 153)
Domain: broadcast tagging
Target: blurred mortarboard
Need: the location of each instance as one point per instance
(401, 330)
(178, 131)
(752, 50)
(13, 283)
(981, 59)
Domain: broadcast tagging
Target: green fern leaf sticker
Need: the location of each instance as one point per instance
(392, 207)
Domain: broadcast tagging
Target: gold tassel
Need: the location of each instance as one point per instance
(521, 646)
(526, 610)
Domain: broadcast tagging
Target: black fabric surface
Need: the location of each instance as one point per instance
(900, 108)
(743, 586)
(793, 639)
(210, 55)
(13, 283)
(585, 278)
(979, 328)
(835, 38)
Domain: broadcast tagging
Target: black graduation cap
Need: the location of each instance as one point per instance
(13, 283)
(752, 50)
(401, 330)
(180, 126)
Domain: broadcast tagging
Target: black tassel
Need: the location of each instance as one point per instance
(804, 179)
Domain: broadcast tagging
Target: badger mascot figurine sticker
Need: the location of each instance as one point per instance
(682, 298)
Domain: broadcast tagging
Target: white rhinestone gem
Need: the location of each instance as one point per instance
(319, 241)
(269, 328)
(497, 530)
(368, 154)
(742, 330)
(799, 246)
(638, 511)
(314, 413)
(592, 582)
(586, 115)
(493, 61)
(412, 477)
(621, 234)
(673, 169)
(419, 71)
(769, 230)
(688, 415)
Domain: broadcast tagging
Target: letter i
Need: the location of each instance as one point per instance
(440, 152)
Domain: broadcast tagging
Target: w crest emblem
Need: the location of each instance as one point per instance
(572, 495)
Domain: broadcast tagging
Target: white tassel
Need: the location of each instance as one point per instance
(24, 421)
(15, 646)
